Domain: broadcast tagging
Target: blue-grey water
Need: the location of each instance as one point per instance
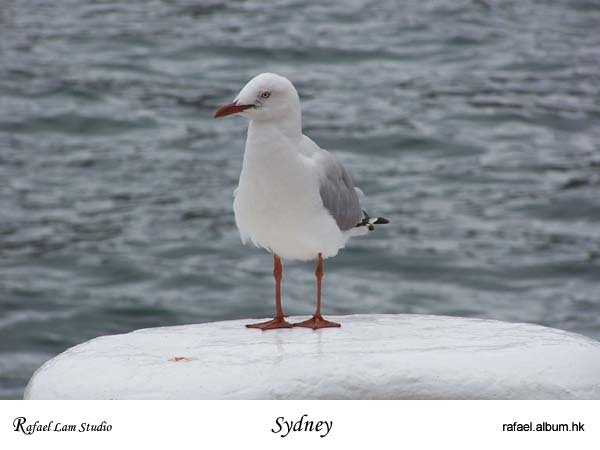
(473, 125)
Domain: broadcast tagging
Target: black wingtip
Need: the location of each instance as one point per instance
(368, 222)
(381, 221)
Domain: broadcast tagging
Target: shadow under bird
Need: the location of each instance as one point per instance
(294, 199)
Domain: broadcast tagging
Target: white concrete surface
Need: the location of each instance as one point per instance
(370, 357)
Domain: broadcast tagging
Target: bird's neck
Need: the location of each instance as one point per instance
(289, 126)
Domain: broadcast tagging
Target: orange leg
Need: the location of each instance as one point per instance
(279, 320)
(317, 321)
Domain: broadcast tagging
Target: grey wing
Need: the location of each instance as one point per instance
(338, 193)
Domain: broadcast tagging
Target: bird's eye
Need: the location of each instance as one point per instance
(265, 94)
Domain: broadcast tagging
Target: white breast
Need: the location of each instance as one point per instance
(278, 205)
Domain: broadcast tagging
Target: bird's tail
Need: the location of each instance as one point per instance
(369, 222)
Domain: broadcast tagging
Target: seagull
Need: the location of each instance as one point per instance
(294, 199)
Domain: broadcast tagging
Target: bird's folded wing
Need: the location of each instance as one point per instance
(337, 191)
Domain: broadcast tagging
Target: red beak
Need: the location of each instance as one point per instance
(230, 109)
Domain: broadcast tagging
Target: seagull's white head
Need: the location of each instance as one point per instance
(265, 97)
